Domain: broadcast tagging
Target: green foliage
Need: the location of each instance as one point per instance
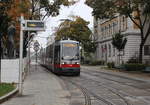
(102, 8)
(118, 41)
(5, 88)
(108, 8)
(88, 46)
(134, 67)
(51, 7)
(77, 30)
(4, 6)
(110, 65)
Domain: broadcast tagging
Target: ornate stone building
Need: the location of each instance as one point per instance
(103, 31)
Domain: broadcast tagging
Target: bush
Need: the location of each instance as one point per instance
(86, 62)
(134, 67)
(97, 63)
(110, 65)
(133, 60)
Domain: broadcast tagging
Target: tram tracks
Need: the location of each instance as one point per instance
(87, 93)
(122, 83)
(87, 99)
(123, 95)
(78, 82)
(112, 90)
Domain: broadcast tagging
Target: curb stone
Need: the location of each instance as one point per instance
(9, 95)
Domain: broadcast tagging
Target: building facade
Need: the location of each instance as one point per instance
(106, 28)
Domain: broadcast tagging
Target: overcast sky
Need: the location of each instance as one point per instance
(78, 9)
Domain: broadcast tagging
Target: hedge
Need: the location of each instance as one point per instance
(134, 67)
(110, 65)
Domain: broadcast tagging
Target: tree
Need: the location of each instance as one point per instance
(137, 10)
(32, 10)
(5, 18)
(51, 7)
(118, 42)
(10, 10)
(76, 30)
(4, 6)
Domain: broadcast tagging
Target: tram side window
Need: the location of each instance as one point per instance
(57, 55)
(51, 51)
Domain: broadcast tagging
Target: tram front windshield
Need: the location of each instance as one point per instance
(70, 51)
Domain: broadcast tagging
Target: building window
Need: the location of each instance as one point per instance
(105, 31)
(102, 31)
(102, 51)
(115, 28)
(109, 50)
(113, 51)
(124, 23)
(147, 50)
(109, 28)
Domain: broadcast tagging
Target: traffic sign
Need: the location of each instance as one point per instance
(36, 49)
(36, 44)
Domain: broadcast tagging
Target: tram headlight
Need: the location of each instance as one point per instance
(77, 63)
(63, 63)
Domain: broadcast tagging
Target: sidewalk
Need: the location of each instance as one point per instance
(41, 88)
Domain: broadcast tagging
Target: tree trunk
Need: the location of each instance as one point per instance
(118, 57)
(141, 53)
(0, 58)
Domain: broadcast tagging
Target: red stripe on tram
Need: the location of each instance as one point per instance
(70, 65)
(57, 65)
(66, 65)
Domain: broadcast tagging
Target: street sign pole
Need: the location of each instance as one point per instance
(28, 52)
(36, 57)
(21, 56)
(26, 25)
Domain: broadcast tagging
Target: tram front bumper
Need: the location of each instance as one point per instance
(67, 70)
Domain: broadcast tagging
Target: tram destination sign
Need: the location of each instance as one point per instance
(34, 25)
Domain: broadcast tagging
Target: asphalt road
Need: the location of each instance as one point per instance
(100, 87)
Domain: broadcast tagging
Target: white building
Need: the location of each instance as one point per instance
(103, 31)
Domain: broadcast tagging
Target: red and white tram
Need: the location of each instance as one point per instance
(62, 57)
